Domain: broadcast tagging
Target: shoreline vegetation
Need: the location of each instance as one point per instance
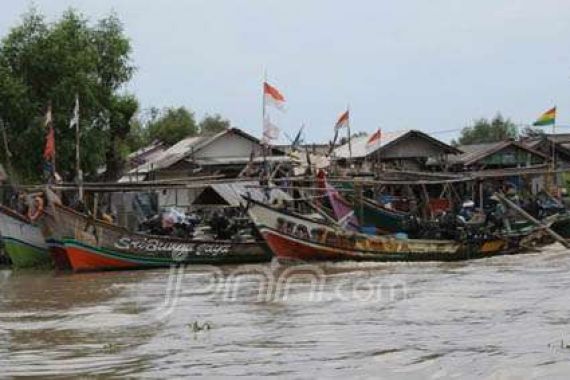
(49, 65)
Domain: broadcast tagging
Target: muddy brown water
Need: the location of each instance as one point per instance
(502, 317)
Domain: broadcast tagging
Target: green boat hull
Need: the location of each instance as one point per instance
(25, 255)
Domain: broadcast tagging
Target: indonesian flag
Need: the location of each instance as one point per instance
(270, 131)
(375, 138)
(273, 96)
(342, 121)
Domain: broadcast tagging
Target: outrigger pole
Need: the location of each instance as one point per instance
(535, 221)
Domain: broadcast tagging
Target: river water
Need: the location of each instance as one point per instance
(499, 318)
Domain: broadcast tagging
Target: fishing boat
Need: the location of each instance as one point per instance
(23, 240)
(53, 233)
(293, 236)
(382, 219)
(94, 245)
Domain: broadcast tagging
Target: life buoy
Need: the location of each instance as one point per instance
(38, 209)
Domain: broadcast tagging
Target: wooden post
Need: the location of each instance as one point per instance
(481, 195)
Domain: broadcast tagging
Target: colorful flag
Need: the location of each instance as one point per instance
(75, 119)
(273, 96)
(342, 121)
(547, 118)
(49, 150)
(375, 138)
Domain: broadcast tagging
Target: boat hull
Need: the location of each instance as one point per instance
(58, 254)
(86, 258)
(92, 245)
(290, 248)
(23, 241)
(298, 238)
(25, 255)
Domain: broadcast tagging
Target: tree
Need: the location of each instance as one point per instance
(344, 140)
(43, 63)
(213, 124)
(172, 126)
(531, 132)
(487, 131)
(122, 109)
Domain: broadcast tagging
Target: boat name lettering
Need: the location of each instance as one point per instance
(153, 245)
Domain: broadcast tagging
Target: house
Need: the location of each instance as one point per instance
(497, 155)
(504, 161)
(560, 145)
(225, 155)
(405, 150)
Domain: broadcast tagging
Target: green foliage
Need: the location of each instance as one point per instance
(172, 126)
(529, 131)
(213, 124)
(44, 62)
(344, 140)
(487, 131)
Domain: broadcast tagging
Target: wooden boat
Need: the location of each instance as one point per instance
(23, 241)
(293, 236)
(93, 245)
(385, 221)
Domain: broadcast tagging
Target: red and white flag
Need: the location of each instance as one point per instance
(342, 121)
(273, 96)
(376, 138)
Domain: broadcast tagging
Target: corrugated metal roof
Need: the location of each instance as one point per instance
(173, 154)
(476, 152)
(360, 148)
(232, 192)
(240, 160)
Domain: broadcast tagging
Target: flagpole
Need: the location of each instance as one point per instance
(53, 155)
(553, 147)
(264, 142)
(263, 105)
(77, 146)
(348, 129)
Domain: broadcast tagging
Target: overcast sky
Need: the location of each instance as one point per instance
(430, 65)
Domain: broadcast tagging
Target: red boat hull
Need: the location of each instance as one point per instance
(83, 260)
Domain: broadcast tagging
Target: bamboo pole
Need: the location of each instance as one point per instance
(529, 217)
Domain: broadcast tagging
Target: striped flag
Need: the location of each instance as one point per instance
(273, 96)
(547, 118)
(375, 138)
(342, 121)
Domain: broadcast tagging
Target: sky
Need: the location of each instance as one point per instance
(413, 64)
